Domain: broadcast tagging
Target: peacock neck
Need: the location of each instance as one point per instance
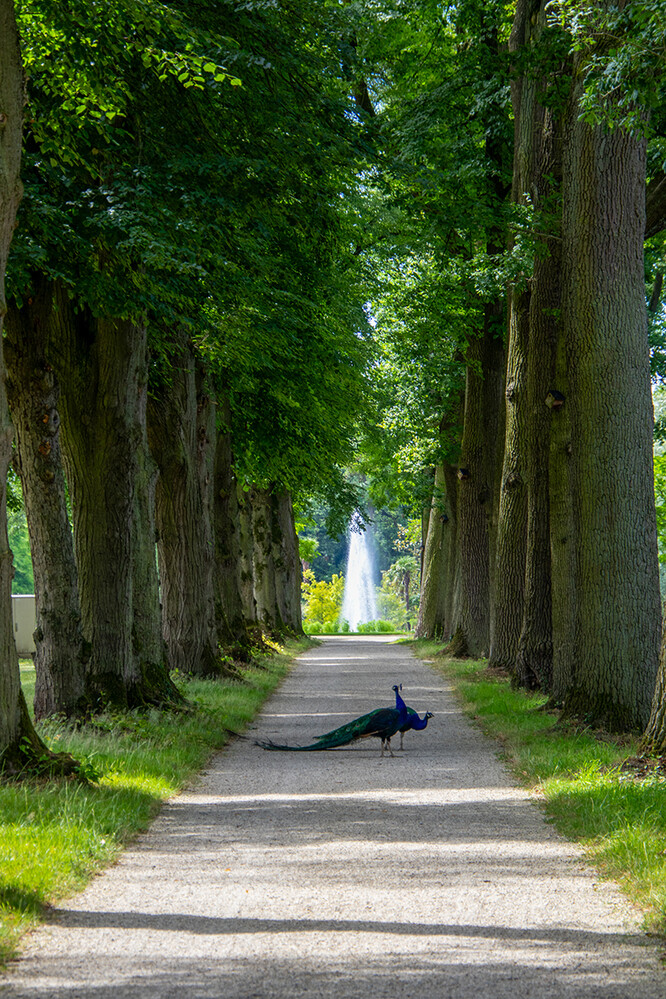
(399, 703)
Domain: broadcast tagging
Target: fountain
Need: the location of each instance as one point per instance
(358, 603)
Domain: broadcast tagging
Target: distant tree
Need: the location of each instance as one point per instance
(322, 603)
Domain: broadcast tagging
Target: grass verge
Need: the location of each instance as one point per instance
(594, 788)
(55, 834)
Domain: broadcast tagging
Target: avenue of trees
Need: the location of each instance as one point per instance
(247, 246)
(183, 353)
(535, 158)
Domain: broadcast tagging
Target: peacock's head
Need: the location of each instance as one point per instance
(429, 714)
(397, 687)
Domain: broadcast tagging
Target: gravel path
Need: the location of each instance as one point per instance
(339, 874)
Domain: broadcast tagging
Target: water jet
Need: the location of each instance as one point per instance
(359, 604)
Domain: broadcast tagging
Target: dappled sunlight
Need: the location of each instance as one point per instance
(396, 797)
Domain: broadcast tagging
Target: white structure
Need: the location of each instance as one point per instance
(25, 622)
(359, 604)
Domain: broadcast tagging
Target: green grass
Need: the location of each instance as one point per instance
(55, 834)
(618, 813)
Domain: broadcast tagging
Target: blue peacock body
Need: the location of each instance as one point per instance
(413, 719)
(382, 723)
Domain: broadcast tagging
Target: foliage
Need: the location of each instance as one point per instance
(437, 229)
(376, 627)
(409, 536)
(19, 543)
(660, 502)
(56, 835)
(322, 603)
(625, 46)
(391, 607)
(403, 579)
(196, 165)
(308, 549)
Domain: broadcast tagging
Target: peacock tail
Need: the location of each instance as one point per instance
(382, 723)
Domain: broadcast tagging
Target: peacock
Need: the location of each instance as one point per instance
(413, 720)
(381, 723)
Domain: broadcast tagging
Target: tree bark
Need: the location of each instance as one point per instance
(563, 537)
(534, 660)
(512, 531)
(543, 156)
(101, 365)
(246, 562)
(150, 649)
(438, 572)
(61, 653)
(654, 738)
(263, 563)
(615, 569)
(476, 529)
(181, 435)
(232, 632)
(512, 528)
(288, 570)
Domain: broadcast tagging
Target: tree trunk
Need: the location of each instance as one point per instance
(182, 438)
(618, 613)
(512, 531)
(438, 573)
(61, 653)
(476, 487)
(543, 144)
(263, 563)
(150, 649)
(230, 620)
(288, 571)
(507, 615)
(534, 661)
(246, 563)
(20, 746)
(100, 363)
(563, 537)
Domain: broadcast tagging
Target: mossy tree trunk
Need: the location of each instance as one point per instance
(615, 570)
(181, 433)
(438, 572)
(288, 569)
(476, 528)
(149, 647)
(101, 365)
(540, 153)
(246, 562)
(61, 653)
(563, 535)
(534, 665)
(507, 614)
(512, 531)
(269, 617)
(232, 631)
